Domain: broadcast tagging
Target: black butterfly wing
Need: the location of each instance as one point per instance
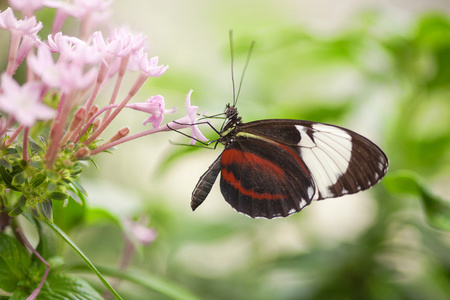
(339, 160)
(274, 168)
(263, 178)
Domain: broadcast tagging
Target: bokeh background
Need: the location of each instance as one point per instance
(381, 68)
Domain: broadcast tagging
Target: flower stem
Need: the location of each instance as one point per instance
(36, 292)
(122, 69)
(25, 144)
(13, 48)
(106, 146)
(136, 86)
(85, 258)
(57, 129)
(15, 134)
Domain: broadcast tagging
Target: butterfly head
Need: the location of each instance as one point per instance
(232, 115)
(231, 112)
(230, 126)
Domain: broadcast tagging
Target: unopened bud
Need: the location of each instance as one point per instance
(82, 152)
(92, 111)
(79, 116)
(96, 124)
(120, 134)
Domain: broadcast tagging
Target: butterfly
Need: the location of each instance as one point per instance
(274, 168)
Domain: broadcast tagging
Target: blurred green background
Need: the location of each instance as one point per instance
(381, 68)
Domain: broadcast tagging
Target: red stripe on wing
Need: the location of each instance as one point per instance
(231, 179)
(296, 156)
(235, 156)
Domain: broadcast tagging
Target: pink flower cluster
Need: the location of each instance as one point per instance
(76, 69)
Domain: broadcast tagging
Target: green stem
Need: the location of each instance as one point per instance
(85, 258)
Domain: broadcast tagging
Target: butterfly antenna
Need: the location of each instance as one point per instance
(243, 71)
(232, 68)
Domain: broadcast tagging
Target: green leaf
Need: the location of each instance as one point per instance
(58, 196)
(6, 164)
(9, 151)
(78, 186)
(46, 209)
(402, 182)
(19, 178)
(43, 141)
(15, 211)
(64, 286)
(437, 210)
(38, 180)
(6, 176)
(101, 216)
(7, 282)
(14, 262)
(76, 170)
(19, 294)
(34, 146)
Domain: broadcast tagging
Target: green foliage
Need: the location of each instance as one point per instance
(68, 287)
(397, 79)
(436, 209)
(28, 184)
(14, 263)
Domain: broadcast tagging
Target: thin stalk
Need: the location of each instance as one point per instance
(85, 258)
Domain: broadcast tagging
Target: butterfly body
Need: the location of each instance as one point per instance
(274, 168)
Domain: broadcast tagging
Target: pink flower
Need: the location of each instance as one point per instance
(135, 42)
(149, 66)
(73, 49)
(27, 26)
(95, 11)
(154, 106)
(61, 75)
(190, 120)
(114, 47)
(42, 64)
(117, 48)
(24, 30)
(23, 103)
(27, 7)
(138, 232)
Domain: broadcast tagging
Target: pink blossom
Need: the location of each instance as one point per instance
(61, 75)
(78, 8)
(138, 232)
(86, 10)
(149, 66)
(190, 120)
(27, 7)
(27, 26)
(120, 44)
(23, 102)
(73, 49)
(114, 47)
(154, 106)
(133, 42)
(42, 64)
(26, 29)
